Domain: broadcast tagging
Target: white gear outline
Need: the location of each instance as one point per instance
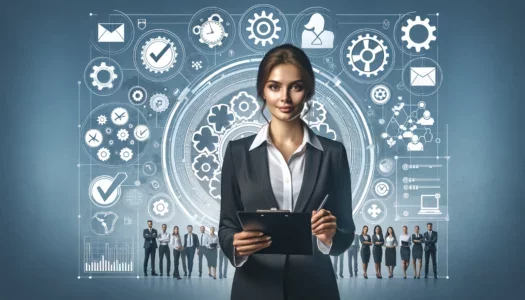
(165, 102)
(362, 39)
(102, 151)
(269, 18)
(103, 67)
(102, 120)
(125, 151)
(155, 69)
(164, 207)
(137, 95)
(122, 134)
(380, 94)
(417, 21)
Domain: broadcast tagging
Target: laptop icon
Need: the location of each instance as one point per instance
(430, 204)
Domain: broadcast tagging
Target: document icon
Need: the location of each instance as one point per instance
(111, 32)
(423, 76)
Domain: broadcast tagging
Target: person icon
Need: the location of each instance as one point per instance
(426, 120)
(415, 144)
(314, 36)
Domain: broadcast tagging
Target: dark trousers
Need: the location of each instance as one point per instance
(352, 255)
(164, 250)
(223, 259)
(176, 257)
(190, 254)
(428, 254)
(202, 252)
(341, 259)
(183, 259)
(147, 253)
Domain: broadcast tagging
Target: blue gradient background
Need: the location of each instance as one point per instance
(45, 46)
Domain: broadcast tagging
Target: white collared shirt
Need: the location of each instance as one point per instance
(202, 239)
(164, 238)
(190, 240)
(175, 241)
(286, 177)
(208, 240)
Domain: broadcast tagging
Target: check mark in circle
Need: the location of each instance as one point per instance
(157, 57)
(105, 190)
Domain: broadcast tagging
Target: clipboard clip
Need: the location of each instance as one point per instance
(273, 209)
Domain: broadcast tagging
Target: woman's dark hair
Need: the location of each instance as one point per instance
(393, 232)
(285, 54)
(380, 230)
(173, 232)
(363, 230)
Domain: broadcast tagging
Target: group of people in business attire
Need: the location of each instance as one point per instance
(378, 241)
(183, 249)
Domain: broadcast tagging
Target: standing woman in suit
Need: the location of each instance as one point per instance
(285, 166)
(366, 241)
(404, 238)
(390, 252)
(377, 250)
(176, 245)
(417, 251)
(212, 240)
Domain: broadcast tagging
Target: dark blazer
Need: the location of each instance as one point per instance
(150, 240)
(246, 186)
(381, 239)
(195, 240)
(430, 241)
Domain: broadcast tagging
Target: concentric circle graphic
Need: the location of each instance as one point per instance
(223, 107)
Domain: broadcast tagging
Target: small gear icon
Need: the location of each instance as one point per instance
(380, 94)
(156, 45)
(366, 41)
(96, 81)
(159, 102)
(103, 154)
(126, 154)
(137, 95)
(265, 22)
(102, 120)
(160, 207)
(430, 37)
(122, 134)
(109, 130)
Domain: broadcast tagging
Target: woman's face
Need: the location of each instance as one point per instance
(390, 230)
(378, 230)
(405, 230)
(284, 92)
(416, 229)
(176, 230)
(365, 230)
(212, 231)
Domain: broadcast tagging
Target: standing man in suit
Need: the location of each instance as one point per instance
(164, 248)
(352, 254)
(191, 243)
(201, 251)
(340, 259)
(430, 240)
(150, 247)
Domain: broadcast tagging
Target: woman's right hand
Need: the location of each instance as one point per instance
(248, 242)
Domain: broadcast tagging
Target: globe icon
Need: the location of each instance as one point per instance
(134, 198)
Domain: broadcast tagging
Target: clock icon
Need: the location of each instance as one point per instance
(211, 32)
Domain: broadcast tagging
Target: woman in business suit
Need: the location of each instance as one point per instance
(404, 238)
(212, 240)
(390, 252)
(285, 166)
(377, 250)
(366, 241)
(417, 251)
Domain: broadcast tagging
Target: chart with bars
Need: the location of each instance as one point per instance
(108, 255)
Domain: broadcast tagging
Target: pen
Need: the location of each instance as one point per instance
(322, 203)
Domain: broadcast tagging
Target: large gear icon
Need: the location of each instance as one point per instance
(122, 134)
(160, 207)
(263, 21)
(417, 21)
(102, 120)
(146, 60)
(103, 154)
(103, 67)
(159, 102)
(353, 58)
(126, 154)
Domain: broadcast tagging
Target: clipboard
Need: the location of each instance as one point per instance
(291, 232)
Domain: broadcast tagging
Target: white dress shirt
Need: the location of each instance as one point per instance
(286, 177)
(390, 241)
(164, 238)
(202, 239)
(175, 242)
(405, 238)
(190, 240)
(211, 240)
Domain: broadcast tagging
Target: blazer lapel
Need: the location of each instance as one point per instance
(311, 171)
(259, 159)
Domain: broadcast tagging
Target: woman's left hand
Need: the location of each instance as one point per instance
(324, 225)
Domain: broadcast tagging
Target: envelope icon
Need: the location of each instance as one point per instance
(423, 76)
(110, 32)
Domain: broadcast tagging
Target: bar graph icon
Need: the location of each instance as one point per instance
(108, 255)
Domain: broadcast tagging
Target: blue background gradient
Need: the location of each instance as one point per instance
(45, 50)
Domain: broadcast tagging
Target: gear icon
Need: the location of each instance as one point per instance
(425, 23)
(267, 23)
(126, 154)
(159, 102)
(160, 207)
(366, 41)
(122, 134)
(96, 81)
(137, 95)
(166, 62)
(103, 154)
(380, 94)
(102, 120)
